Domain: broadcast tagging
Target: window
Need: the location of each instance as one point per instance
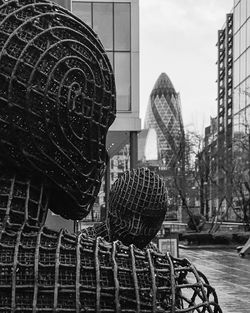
(83, 11)
(236, 45)
(248, 31)
(243, 38)
(236, 72)
(236, 123)
(248, 62)
(243, 67)
(248, 116)
(122, 26)
(242, 90)
(248, 92)
(243, 11)
(112, 24)
(248, 8)
(237, 18)
(236, 100)
(103, 23)
(122, 75)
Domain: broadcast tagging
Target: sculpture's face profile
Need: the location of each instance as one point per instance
(137, 207)
(57, 101)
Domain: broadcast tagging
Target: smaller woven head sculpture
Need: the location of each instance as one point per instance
(57, 101)
(137, 207)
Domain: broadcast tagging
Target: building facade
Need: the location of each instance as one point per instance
(164, 115)
(228, 146)
(241, 111)
(241, 64)
(225, 112)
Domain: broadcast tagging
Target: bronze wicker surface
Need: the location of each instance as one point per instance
(68, 273)
(57, 101)
(137, 207)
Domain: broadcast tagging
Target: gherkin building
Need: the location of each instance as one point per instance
(164, 115)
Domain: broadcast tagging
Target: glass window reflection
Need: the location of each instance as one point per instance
(237, 18)
(236, 45)
(242, 91)
(248, 30)
(248, 8)
(242, 67)
(243, 11)
(103, 23)
(122, 26)
(236, 99)
(248, 93)
(122, 75)
(236, 72)
(243, 38)
(83, 11)
(248, 62)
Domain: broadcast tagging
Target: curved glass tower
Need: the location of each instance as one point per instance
(164, 115)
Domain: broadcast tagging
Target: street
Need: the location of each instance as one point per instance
(228, 273)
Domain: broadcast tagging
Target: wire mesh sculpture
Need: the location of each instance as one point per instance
(57, 101)
(57, 98)
(138, 204)
(137, 208)
(45, 271)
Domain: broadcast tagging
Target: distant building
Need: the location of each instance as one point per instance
(241, 67)
(164, 115)
(233, 119)
(225, 111)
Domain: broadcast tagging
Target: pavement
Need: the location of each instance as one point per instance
(228, 273)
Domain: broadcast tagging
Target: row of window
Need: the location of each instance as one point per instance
(242, 68)
(111, 21)
(242, 96)
(242, 121)
(241, 12)
(242, 39)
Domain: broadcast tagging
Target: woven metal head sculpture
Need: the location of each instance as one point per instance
(137, 207)
(57, 101)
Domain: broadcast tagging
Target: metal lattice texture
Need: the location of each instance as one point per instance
(47, 271)
(21, 201)
(137, 207)
(66, 273)
(194, 294)
(57, 100)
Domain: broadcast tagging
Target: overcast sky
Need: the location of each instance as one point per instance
(179, 37)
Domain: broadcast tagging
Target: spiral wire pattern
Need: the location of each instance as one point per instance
(57, 100)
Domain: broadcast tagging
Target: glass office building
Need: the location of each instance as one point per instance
(241, 59)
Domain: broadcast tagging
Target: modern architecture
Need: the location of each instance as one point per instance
(164, 115)
(241, 66)
(228, 145)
